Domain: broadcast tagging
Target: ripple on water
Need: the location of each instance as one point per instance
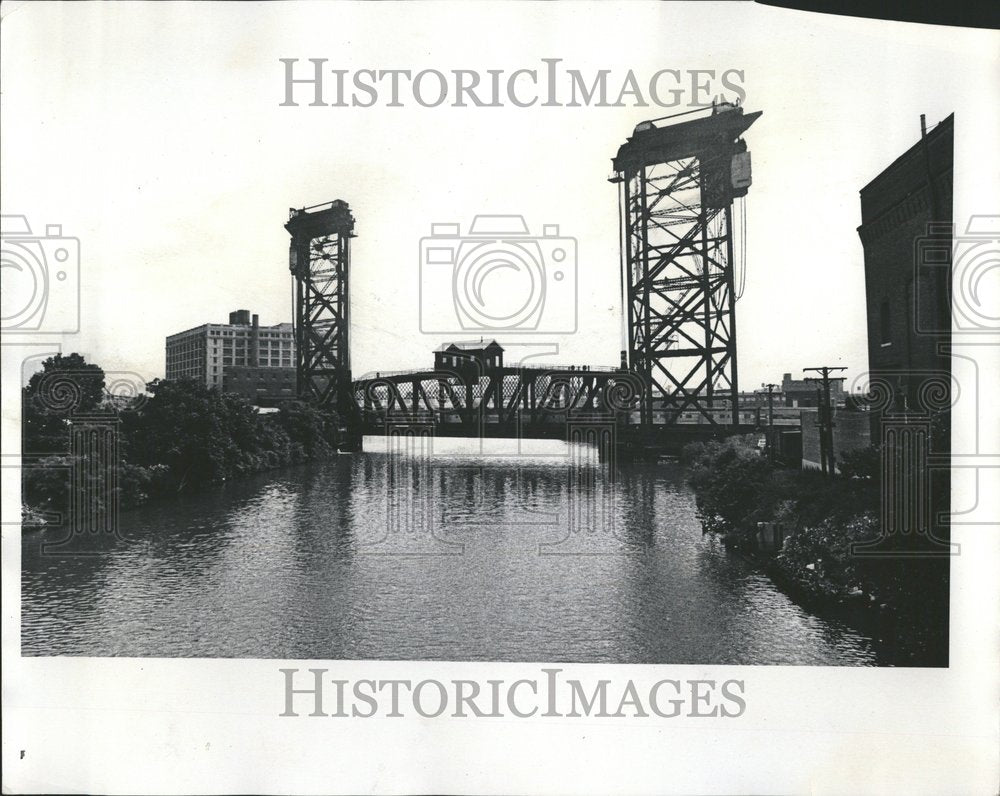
(472, 558)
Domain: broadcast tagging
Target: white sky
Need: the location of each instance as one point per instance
(153, 133)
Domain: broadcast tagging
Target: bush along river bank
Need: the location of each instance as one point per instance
(180, 437)
(801, 527)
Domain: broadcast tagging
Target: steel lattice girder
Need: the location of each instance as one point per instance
(678, 184)
(679, 287)
(319, 259)
(507, 395)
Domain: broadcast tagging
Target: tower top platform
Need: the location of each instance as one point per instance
(650, 144)
(319, 220)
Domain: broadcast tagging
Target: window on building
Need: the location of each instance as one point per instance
(885, 323)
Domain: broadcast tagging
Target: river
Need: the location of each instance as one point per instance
(461, 556)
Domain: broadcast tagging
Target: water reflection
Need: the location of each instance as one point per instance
(385, 555)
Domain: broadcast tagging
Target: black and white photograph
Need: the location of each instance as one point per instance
(593, 380)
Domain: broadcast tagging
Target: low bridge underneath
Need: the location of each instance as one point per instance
(569, 403)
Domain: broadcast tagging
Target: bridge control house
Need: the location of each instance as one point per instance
(483, 356)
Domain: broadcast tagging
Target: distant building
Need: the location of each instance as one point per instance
(907, 270)
(205, 352)
(456, 356)
(800, 392)
(260, 385)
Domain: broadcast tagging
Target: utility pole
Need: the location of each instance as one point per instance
(770, 403)
(770, 417)
(827, 462)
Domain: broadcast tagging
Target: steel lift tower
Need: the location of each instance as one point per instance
(678, 182)
(319, 258)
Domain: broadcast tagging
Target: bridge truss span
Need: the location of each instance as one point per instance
(500, 402)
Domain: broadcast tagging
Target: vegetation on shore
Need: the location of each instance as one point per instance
(180, 437)
(736, 487)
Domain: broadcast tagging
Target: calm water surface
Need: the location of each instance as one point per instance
(467, 557)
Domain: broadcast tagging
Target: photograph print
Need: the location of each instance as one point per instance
(552, 343)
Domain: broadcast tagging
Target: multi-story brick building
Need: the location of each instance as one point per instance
(906, 232)
(207, 351)
(906, 213)
(803, 392)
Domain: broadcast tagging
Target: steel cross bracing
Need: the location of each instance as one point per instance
(679, 289)
(319, 259)
(503, 398)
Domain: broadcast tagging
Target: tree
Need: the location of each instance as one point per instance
(314, 434)
(204, 436)
(65, 385)
(183, 437)
(863, 463)
(733, 485)
(199, 433)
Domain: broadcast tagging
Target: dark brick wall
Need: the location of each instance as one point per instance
(259, 383)
(851, 431)
(896, 209)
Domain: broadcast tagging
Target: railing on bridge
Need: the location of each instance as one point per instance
(512, 400)
(508, 396)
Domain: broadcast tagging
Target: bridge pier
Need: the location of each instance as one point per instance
(352, 439)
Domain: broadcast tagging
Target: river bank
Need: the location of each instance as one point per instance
(900, 599)
(179, 438)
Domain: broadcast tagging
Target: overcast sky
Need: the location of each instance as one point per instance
(154, 134)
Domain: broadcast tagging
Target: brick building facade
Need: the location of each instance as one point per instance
(906, 212)
(906, 232)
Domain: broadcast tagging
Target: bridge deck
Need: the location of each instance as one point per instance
(532, 402)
